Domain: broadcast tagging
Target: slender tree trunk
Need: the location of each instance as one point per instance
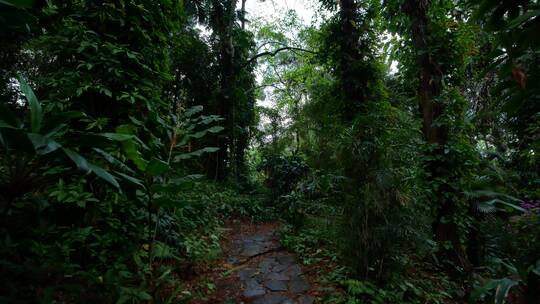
(350, 58)
(225, 15)
(243, 11)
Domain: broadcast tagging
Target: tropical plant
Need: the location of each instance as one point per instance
(526, 279)
(28, 145)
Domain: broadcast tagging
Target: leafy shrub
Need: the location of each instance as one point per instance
(68, 235)
(511, 254)
(282, 173)
(522, 283)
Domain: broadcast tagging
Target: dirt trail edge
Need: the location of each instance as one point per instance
(259, 270)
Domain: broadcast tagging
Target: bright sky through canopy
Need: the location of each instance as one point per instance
(268, 10)
(274, 9)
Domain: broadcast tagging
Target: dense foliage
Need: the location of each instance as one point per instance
(396, 140)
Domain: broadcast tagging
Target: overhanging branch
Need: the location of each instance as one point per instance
(275, 52)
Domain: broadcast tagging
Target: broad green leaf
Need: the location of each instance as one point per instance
(133, 154)
(54, 131)
(132, 179)
(106, 92)
(117, 136)
(525, 17)
(5, 125)
(205, 150)
(156, 167)
(503, 288)
(163, 251)
(114, 161)
(193, 110)
(198, 134)
(536, 268)
(482, 290)
(55, 122)
(8, 118)
(18, 3)
(209, 119)
(197, 153)
(80, 161)
(190, 177)
(164, 202)
(216, 129)
(510, 205)
(104, 175)
(489, 193)
(36, 113)
(131, 146)
(43, 144)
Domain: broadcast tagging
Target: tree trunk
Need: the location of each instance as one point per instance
(430, 86)
(225, 18)
(350, 58)
(243, 12)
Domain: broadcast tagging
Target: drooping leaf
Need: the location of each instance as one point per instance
(525, 17)
(156, 167)
(132, 179)
(163, 251)
(5, 125)
(18, 3)
(205, 150)
(104, 175)
(199, 134)
(133, 154)
(56, 121)
(131, 146)
(193, 110)
(503, 288)
(477, 293)
(117, 136)
(196, 153)
(7, 118)
(216, 129)
(536, 268)
(80, 161)
(114, 161)
(205, 120)
(36, 113)
(43, 144)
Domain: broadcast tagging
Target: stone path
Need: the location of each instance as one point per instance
(267, 273)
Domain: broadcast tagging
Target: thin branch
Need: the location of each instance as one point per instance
(274, 53)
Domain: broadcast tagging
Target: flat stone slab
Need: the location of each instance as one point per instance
(294, 271)
(271, 275)
(277, 276)
(261, 237)
(253, 293)
(298, 286)
(306, 300)
(276, 285)
(271, 298)
(253, 284)
(279, 268)
(253, 250)
(247, 273)
(285, 259)
(267, 265)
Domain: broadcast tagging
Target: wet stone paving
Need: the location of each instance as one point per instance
(267, 273)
